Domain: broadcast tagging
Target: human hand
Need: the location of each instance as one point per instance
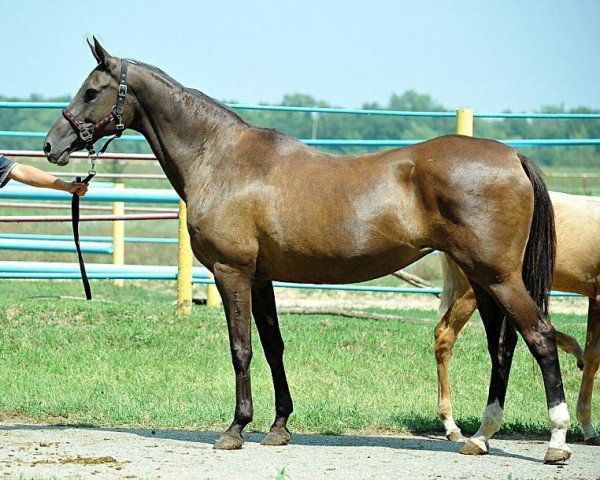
(77, 187)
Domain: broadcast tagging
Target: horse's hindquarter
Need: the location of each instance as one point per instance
(478, 198)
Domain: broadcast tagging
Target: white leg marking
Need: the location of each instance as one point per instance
(559, 423)
(450, 425)
(490, 424)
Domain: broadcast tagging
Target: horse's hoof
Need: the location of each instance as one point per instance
(277, 437)
(593, 441)
(456, 436)
(229, 441)
(557, 455)
(473, 448)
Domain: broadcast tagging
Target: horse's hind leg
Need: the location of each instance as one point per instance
(501, 338)
(540, 337)
(456, 307)
(569, 344)
(591, 356)
(265, 316)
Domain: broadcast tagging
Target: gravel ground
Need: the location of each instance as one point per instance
(41, 452)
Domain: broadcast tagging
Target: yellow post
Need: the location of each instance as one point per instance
(213, 299)
(118, 236)
(464, 121)
(464, 126)
(184, 267)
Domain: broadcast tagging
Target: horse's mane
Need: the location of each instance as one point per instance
(192, 91)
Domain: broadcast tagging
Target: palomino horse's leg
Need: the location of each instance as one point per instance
(501, 339)
(569, 344)
(453, 319)
(591, 356)
(234, 286)
(265, 316)
(540, 337)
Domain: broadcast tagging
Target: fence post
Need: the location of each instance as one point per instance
(184, 265)
(213, 299)
(118, 235)
(464, 121)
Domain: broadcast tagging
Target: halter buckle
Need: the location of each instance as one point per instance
(86, 134)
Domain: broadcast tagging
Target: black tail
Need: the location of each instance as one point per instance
(538, 264)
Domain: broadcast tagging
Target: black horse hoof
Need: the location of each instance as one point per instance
(277, 437)
(229, 441)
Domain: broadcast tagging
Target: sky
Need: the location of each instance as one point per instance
(517, 55)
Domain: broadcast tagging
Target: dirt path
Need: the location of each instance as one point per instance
(41, 452)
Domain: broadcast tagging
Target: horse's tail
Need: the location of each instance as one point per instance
(538, 264)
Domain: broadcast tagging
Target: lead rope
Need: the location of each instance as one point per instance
(75, 223)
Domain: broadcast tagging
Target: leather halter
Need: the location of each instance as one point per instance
(87, 131)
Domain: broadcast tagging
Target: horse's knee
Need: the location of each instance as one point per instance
(241, 356)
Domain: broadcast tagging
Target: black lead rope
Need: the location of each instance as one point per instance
(75, 222)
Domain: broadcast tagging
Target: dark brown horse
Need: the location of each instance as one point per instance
(263, 206)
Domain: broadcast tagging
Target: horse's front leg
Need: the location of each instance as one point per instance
(234, 285)
(265, 316)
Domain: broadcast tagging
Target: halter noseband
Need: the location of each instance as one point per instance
(87, 131)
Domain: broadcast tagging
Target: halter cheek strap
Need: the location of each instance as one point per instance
(87, 131)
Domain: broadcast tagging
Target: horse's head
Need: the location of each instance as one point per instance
(94, 112)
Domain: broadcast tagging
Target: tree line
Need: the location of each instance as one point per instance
(345, 126)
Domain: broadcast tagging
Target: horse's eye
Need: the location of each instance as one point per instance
(90, 94)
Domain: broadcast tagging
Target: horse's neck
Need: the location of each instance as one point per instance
(185, 131)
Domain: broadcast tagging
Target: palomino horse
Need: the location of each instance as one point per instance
(577, 270)
(263, 206)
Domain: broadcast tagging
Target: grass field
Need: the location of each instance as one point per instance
(128, 360)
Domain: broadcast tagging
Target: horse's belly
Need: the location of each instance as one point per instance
(295, 267)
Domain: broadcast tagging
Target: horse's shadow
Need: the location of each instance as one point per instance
(429, 442)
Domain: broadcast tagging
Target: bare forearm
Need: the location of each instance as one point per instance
(37, 178)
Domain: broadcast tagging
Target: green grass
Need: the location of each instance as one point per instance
(131, 361)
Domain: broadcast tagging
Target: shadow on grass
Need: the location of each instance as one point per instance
(427, 442)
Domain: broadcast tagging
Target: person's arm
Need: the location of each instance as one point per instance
(39, 178)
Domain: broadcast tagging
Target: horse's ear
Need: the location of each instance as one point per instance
(101, 55)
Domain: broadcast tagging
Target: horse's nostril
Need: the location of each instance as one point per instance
(47, 148)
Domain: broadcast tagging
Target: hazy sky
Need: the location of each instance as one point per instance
(490, 56)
